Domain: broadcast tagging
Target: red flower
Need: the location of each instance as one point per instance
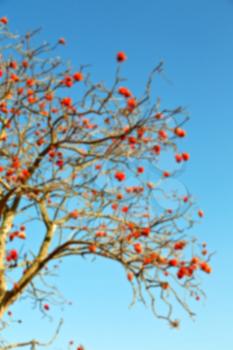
(121, 56)
(179, 158)
(132, 103)
(92, 248)
(101, 234)
(166, 174)
(156, 149)
(13, 65)
(124, 91)
(74, 214)
(132, 140)
(68, 81)
(138, 248)
(182, 272)
(173, 262)
(140, 169)
(158, 116)
(205, 267)
(25, 64)
(185, 156)
(200, 213)
(25, 172)
(60, 163)
(40, 141)
(15, 162)
(162, 134)
(66, 101)
(114, 206)
(14, 77)
(21, 235)
(98, 167)
(80, 348)
(130, 276)
(61, 41)
(46, 307)
(180, 132)
(78, 76)
(120, 176)
(4, 20)
(125, 209)
(48, 97)
(179, 245)
(145, 231)
(12, 255)
(30, 82)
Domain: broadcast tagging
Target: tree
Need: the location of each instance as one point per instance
(88, 171)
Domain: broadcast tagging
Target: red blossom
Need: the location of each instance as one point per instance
(131, 103)
(124, 92)
(46, 307)
(120, 176)
(121, 56)
(180, 132)
(4, 20)
(140, 169)
(78, 76)
(185, 156)
(62, 41)
(66, 101)
(138, 248)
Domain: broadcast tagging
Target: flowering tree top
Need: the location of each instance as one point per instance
(87, 170)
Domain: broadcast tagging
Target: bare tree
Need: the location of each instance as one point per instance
(82, 162)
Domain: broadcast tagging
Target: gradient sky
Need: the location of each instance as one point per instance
(195, 40)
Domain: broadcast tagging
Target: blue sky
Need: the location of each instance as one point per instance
(195, 40)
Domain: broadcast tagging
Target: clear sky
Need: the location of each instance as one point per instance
(195, 40)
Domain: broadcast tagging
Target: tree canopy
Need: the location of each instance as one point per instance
(82, 174)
